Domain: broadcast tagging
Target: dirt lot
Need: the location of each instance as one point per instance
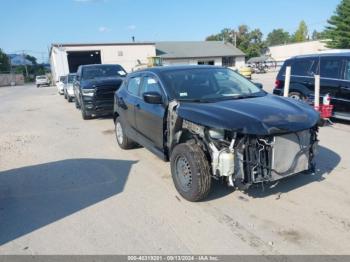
(66, 188)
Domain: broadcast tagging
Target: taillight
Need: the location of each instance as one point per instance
(278, 84)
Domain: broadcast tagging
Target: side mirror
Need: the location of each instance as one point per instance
(152, 98)
(260, 85)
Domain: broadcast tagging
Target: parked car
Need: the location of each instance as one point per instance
(42, 80)
(334, 71)
(68, 87)
(60, 84)
(213, 123)
(94, 88)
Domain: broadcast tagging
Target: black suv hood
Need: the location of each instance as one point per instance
(105, 81)
(264, 115)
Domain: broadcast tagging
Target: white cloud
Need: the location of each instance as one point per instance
(131, 27)
(104, 29)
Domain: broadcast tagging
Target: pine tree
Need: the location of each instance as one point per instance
(338, 30)
(301, 34)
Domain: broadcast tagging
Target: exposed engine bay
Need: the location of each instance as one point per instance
(246, 159)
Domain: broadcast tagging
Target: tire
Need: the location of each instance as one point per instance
(69, 99)
(37, 86)
(85, 115)
(190, 171)
(77, 106)
(65, 95)
(296, 96)
(123, 141)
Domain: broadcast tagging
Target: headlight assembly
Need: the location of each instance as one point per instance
(88, 92)
(217, 133)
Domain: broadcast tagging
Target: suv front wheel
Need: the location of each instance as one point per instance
(190, 171)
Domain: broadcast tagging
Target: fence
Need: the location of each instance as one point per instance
(11, 79)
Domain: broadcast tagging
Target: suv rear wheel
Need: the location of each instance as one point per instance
(123, 141)
(296, 96)
(190, 171)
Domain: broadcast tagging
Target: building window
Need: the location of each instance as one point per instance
(228, 61)
(211, 62)
(120, 53)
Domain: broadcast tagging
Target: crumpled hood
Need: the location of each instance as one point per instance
(106, 81)
(264, 115)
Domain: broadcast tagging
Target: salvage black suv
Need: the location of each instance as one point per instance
(94, 88)
(210, 122)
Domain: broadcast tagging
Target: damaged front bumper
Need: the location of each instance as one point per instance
(250, 159)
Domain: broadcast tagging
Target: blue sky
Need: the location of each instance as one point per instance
(35, 24)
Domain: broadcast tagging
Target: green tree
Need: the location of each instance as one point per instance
(338, 28)
(277, 37)
(318, 35)
(4, 62)
(250, 42)
(301, 34)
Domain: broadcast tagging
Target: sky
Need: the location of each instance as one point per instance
(33, 25)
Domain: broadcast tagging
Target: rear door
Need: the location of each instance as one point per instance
(128, 100)
(330, 74)
(150, 117)
(344, 96)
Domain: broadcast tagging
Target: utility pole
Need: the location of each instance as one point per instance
(24, 62)
(235, 38)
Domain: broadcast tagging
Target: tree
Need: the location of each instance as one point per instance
(318, 35)
(338, 29)
(277, 37)
(250, 42)
(4, 62)
(301, 34)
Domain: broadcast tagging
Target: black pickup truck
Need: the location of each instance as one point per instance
(94, 88)
(210, 122)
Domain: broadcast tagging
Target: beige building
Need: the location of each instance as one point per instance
(215, 53)
(281, 53)
(65, 58)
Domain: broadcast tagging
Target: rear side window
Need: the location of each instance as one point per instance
(301, 67)
(330, 67)
(133, 85)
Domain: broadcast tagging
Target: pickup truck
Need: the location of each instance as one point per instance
(94, 88)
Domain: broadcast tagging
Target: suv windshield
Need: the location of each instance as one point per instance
(209, 84)
(71, 78)
(92, 72)
(41, 77)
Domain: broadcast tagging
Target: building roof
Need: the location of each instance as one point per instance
(101, 44)
(194, 49)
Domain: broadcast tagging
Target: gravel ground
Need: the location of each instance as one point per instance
(66, 188)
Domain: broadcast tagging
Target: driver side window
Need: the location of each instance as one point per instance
(150, 84)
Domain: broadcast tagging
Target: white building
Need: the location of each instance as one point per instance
(200, 52)
(65, 58)
(280, 53)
